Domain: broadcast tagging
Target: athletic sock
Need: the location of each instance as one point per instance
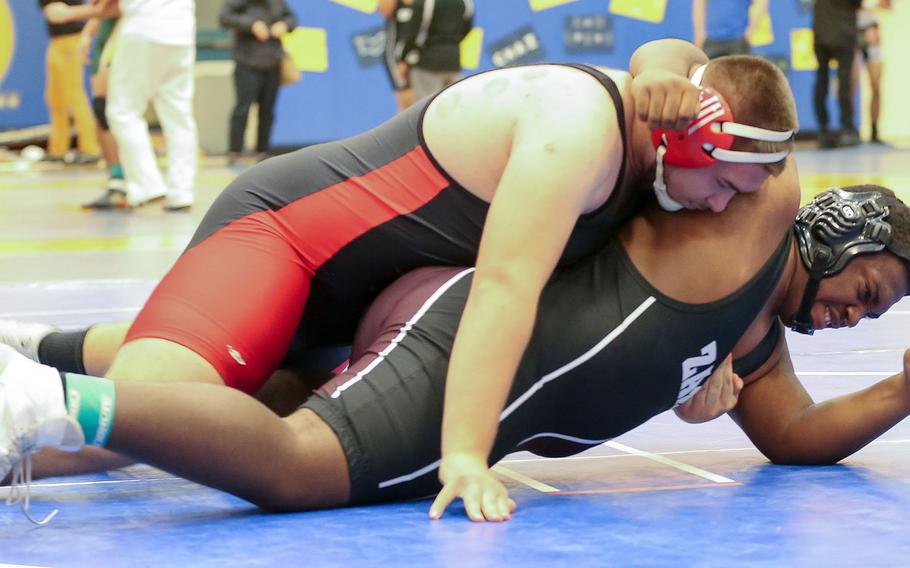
(117, 171)
(91, 402)
(63, 350)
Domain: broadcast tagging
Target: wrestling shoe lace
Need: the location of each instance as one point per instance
(20, 490)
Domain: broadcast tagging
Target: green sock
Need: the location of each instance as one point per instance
(90, 401)
(117, 171)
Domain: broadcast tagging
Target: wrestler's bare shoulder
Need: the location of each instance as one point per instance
(470, 126)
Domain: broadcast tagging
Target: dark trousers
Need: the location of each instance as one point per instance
(718, 47)
(843, 54)
(259, 86)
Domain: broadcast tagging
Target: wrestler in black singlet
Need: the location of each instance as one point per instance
(607, 353)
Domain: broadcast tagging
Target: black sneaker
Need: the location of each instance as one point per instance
(827, 140)
(848, 137)
(110, 199)
(80, 159)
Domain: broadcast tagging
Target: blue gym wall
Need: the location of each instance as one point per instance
(354, 94)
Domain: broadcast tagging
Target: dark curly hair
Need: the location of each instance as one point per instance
(898, 218)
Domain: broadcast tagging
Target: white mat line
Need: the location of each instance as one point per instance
(497, 467)
(57, 313)
(671, 462)
(847, 373)
(614, 456)
(38, 485)
(848, 352)
(521, 478)
(673, 453)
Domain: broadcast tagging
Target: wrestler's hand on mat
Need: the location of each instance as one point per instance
(718, 395)
(664, 99)
(468, 476)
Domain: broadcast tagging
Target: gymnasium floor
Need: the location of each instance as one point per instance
(665, 494)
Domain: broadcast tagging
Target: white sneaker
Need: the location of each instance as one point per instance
(24, 336)
(178, 201)
(32, 416)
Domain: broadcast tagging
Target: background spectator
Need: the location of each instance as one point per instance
(723, 27)
(428, 42)
(257, 26)
(64, 91)
(153, 62)
(396, 69)
(834, 27)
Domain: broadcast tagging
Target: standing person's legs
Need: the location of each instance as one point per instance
(246, 86)
(716, 48)
(874, 66)
(134, 77)
(844, 55)
(173, 102)
(268, 94)
(73, 78)
(820, 100)
(59, 139)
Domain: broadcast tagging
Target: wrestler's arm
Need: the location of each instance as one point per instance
(556, 162)
(664, 97)
(784, 423)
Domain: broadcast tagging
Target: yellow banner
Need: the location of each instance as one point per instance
(471, 47)
(648, 10)
(763, 34)
(802, 54)
(538, 5)
(308, 48)
(366, 6)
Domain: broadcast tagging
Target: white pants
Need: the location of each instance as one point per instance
(143, 71)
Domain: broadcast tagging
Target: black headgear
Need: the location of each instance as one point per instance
(835, 227)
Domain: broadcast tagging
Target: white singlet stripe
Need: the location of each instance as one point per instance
(402, 333)
(563, 437)
(583, 358)
(587, 355)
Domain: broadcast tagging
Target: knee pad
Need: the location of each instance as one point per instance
(99, 104)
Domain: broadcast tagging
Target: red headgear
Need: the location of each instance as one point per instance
(708, 139)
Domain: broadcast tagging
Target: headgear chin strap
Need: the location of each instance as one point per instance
(835, 227)
(708, 139)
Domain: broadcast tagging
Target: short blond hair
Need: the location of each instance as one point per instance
(759, 95)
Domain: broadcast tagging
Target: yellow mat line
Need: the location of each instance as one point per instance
(143, 243)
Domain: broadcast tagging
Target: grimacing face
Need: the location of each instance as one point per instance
(868, 286)
(713, 187)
